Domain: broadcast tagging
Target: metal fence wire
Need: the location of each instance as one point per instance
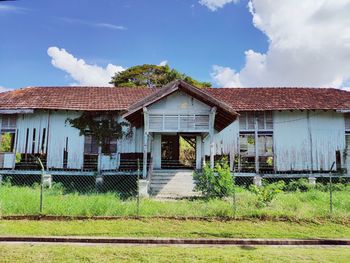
(180, 192)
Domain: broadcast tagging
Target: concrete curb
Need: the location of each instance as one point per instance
(179, 218)
(177, 241)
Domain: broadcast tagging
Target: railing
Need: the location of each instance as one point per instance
(163, 122)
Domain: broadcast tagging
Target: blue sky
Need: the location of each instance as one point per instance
(227, 42)
(185, 33)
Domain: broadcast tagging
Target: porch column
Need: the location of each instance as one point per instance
(145, 143)
(232, 159)
(157, 156)
(211, 135)
(198, 152)
(203, 149)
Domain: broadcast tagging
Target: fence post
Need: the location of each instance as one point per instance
(41, 184)
(234, 196)
(138, 187)
(331, 190)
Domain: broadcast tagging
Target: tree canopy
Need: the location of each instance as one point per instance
(152, 76)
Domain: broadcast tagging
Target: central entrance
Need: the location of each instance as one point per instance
(178, 151)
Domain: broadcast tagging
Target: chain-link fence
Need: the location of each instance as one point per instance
(176, 192)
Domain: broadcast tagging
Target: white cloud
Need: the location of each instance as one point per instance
(92, 24)
(163, 63)
(309, 45)
(213, 5)
(80, 71)
(225, 77)
(3, 89)
(11, 9)
(110, 26)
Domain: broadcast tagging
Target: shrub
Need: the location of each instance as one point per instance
(301, 185)
(215, 183)
(267, 192)
(335, 187)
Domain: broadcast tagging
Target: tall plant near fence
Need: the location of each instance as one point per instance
(214, 183)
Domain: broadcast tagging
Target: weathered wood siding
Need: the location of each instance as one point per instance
(34, 125)
(226, 141)
(62, 135)
(179, 103)
(298, 139)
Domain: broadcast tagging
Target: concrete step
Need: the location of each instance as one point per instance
(172, 183)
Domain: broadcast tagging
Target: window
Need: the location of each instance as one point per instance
(8, 122)
(265, 151)
(7, 142)
(247, 152)
(262, 138)
(247, 120)
(110, 146)
(91, 146)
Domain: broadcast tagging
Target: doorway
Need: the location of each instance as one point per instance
(178, 151)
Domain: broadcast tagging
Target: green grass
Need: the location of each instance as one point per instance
(76, 253)
(175, 228)
(314, 204)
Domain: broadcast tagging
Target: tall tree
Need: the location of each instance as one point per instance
(151, 76)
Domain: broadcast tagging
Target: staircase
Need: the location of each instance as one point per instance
(172, 184)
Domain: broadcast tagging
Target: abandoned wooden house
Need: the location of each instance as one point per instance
(261, 131)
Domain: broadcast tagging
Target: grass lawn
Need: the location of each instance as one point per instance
(314, 204)
(68, 253)
(176, 228)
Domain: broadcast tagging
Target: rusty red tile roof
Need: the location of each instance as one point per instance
(257, 99)
(111, 98)
(73, 98)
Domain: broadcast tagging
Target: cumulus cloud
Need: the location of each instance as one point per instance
(163, 63)
(80, 71)
(309, 45)
(225, 76)
(213, 5)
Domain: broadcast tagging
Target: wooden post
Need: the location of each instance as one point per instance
(145, 146)
(232, 159)
(256, 139)
(198, 152)
(310, 140)
(145, 143)
(99, 159)
(203, 150)
(211, 135)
